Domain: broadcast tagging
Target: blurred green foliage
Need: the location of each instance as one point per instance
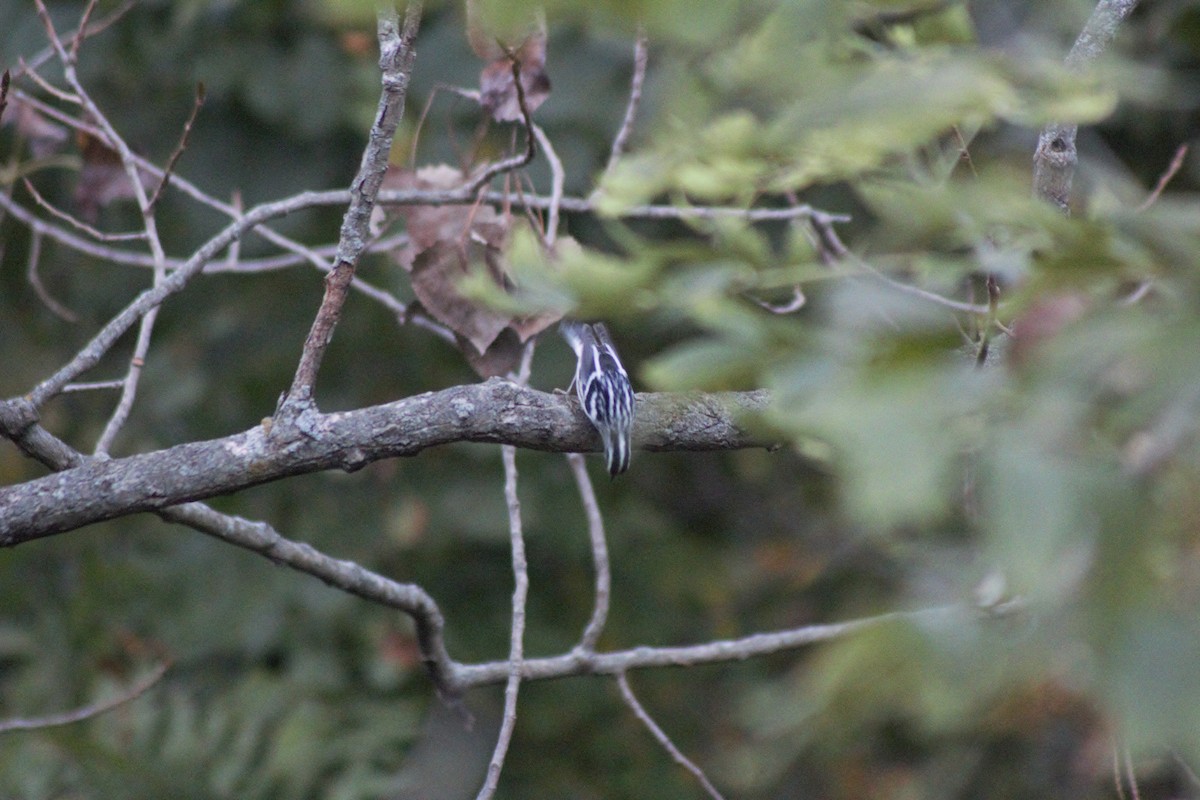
(1062, 472)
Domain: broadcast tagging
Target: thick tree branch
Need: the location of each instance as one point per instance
(261, 538)
(497, 411)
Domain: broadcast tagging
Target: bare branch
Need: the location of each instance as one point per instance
(661, 737)
(93, 386)
(35, 280)
(48, 53)
(1165, 178)
(88, 711)
(183, 272)
(595, 524)
(714, 652)
(79, 224)
(81, 31)
(557, 179)
(1055, 158)
(1130, 774)
(496, 411)
(261, 538)
(90, 355)
(108, 133)
(129, 386)
(621, 140)
(396, 57)
(516, 651)
(916, 291)
(130, 166)
(197, 104)
(520, 159)
(188, 188)
(77, 243)
(348, 576)
(48, 87)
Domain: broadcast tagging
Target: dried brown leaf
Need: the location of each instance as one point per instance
(45, 137)
(436, 273)
(501, 357)
(102, 178)
(446, 244)
(497, 89)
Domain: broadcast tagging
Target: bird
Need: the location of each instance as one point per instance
(603, 388)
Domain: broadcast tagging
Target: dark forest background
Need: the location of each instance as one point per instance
(1061, 473)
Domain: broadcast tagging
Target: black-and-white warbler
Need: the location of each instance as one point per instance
(604, 390)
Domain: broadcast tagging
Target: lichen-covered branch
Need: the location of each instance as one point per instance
(497, 411)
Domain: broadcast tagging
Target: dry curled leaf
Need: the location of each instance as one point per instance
(436, 273)
(497, 89)
(102, 178)
(447, 243)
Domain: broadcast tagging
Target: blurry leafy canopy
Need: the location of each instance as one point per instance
(1068, 465)
(1070, 470)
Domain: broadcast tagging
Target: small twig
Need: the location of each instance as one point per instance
(179, 148)
(964, 152)
(1165, 178)
(516, 651)
(985, 339)
(347, 576)
(46, 86)
(88, 711)
(235, 250)
(915, 291)
(1130, 775)
(661, 737)
(525, 368)
(1138, 294)
(795, 304)
(188, 188)
(79, 224)
(35, 280)
(137, 361)
(5, 79)
(519, 160)
(595, 525)
(108, 133)
(113, 139)
(48, 53)
(93, 386)
(557, 179)
(758, 644)
(104, 339)
(81, 31)
(1118, 780)
(621, 140)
